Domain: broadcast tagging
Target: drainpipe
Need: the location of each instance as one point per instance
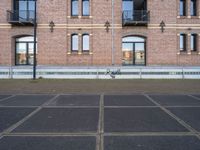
(35, 35)
(113, 47)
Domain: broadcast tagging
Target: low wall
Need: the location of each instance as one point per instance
(107, 72)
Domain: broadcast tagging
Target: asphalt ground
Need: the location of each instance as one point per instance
(100, 122)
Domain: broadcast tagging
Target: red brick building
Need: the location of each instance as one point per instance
(101, 32)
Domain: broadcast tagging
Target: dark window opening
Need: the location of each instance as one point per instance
(24, 10)
(182, 42)
(182, 8)
(193, 42)
(193, 8)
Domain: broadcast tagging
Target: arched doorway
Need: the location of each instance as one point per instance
(134, 51)
(24, 50)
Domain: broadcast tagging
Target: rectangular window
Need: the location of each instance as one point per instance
(182, 42)
(193, 8)
(74, 7)
(86, 42)
(182, 8)
(85, 7)
(193, 42)
(74, 42)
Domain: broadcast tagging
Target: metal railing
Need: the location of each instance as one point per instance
(20, 16)
(135, 16)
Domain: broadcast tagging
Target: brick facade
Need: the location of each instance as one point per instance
(54, 48)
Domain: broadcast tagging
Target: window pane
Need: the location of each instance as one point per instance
(133, 39)
(182, 8)
(182, 42)
(193, 7)
(193, 42)
(86, 8)
(86, 43)
(74, 8)
(21, 53)
(74, 42)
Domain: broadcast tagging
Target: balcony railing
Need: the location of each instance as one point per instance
(136, 17)
(21, 17)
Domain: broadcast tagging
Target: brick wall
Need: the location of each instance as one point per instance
(54, 48)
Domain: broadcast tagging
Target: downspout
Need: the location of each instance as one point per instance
(35, 35)
(113, 35)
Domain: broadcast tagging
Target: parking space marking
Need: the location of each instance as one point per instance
(3, 99)
(10, 129)
(197, 98)
(183, 123)
(150, 134)
(99, 143)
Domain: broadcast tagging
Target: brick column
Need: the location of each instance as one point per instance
(68, 44)
(91, 43)
(198, 44)
(79, 43)
(188, 9)
(178, 44)
(188, 45)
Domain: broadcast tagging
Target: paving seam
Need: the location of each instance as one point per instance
(131, 106)
(150, 134)
(1, 106)
(183, 123)
(3, 99)
(52, 134)
(70, 106)
(99, 142)
(197, 98)
(10, 129)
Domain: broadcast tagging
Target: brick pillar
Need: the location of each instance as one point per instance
(188, 45)
(198, 8)
(198, 44)
(68, 44)
(178, 44)
(79, 43)
(91, 43)
(188, 9)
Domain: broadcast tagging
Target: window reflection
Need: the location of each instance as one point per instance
(86, 42)
(86, 7)
(74, 8)
(74, 42)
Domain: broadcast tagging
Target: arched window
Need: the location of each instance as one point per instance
(74, 42)
(134, 51)
(74, 7)
(85, 7)
(24, 49)
(86, 42)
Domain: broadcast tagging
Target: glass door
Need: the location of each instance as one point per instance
(139, 50)
(128, 54)
(128, 7)
(30, 53)
(21, 53)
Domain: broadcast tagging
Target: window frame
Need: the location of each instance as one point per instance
(182, 12)
(72, 10)
(193, 42)
(26, 42)
(183, 48)
(72, 40)
(193, 7)
(85, 50)
(88, 8)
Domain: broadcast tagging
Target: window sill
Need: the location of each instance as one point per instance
(182, 17)
(194, 17)
(80, 53)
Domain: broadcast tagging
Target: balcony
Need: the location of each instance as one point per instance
(135, 18)
(21, 17)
